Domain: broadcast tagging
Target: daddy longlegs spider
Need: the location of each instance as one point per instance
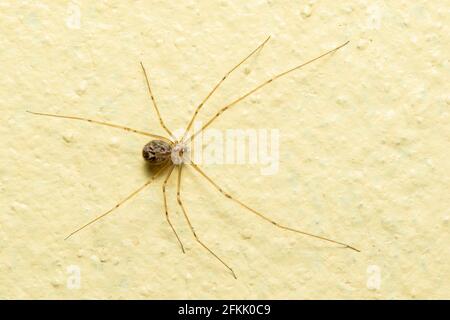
(168, 153)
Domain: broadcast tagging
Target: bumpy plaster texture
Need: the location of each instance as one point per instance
(364, 142)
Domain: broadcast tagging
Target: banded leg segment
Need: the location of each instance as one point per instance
(131, 195)
(166, 210)
(259, 214)
(197, 110)
(154, 103)
(180, 202)
(101, 123)
(228, 106)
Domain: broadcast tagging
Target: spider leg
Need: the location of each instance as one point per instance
(165, 207)
(101, 123)
(196, 167)
(131, 195)
(197, 110)
(155, 105)
(180, 202)
(223, 109)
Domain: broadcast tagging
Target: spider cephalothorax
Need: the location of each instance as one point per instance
(172, 153)
(157, 152)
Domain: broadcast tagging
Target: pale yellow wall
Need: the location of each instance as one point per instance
(364, 154)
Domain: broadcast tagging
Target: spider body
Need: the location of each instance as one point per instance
(171, 153)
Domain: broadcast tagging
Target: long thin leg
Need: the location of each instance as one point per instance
(120, 203)
(192, 228)
(260, 86)
(165, 207)
(101, 123)
(155, 105)
(217, 86)
(263, 216)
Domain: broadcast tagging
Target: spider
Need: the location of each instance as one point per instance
(166, 154)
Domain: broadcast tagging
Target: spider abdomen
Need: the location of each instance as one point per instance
(157, 152)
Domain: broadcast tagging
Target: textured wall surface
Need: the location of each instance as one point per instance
(364, 142)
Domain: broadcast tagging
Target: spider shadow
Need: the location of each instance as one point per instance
(150, 170)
